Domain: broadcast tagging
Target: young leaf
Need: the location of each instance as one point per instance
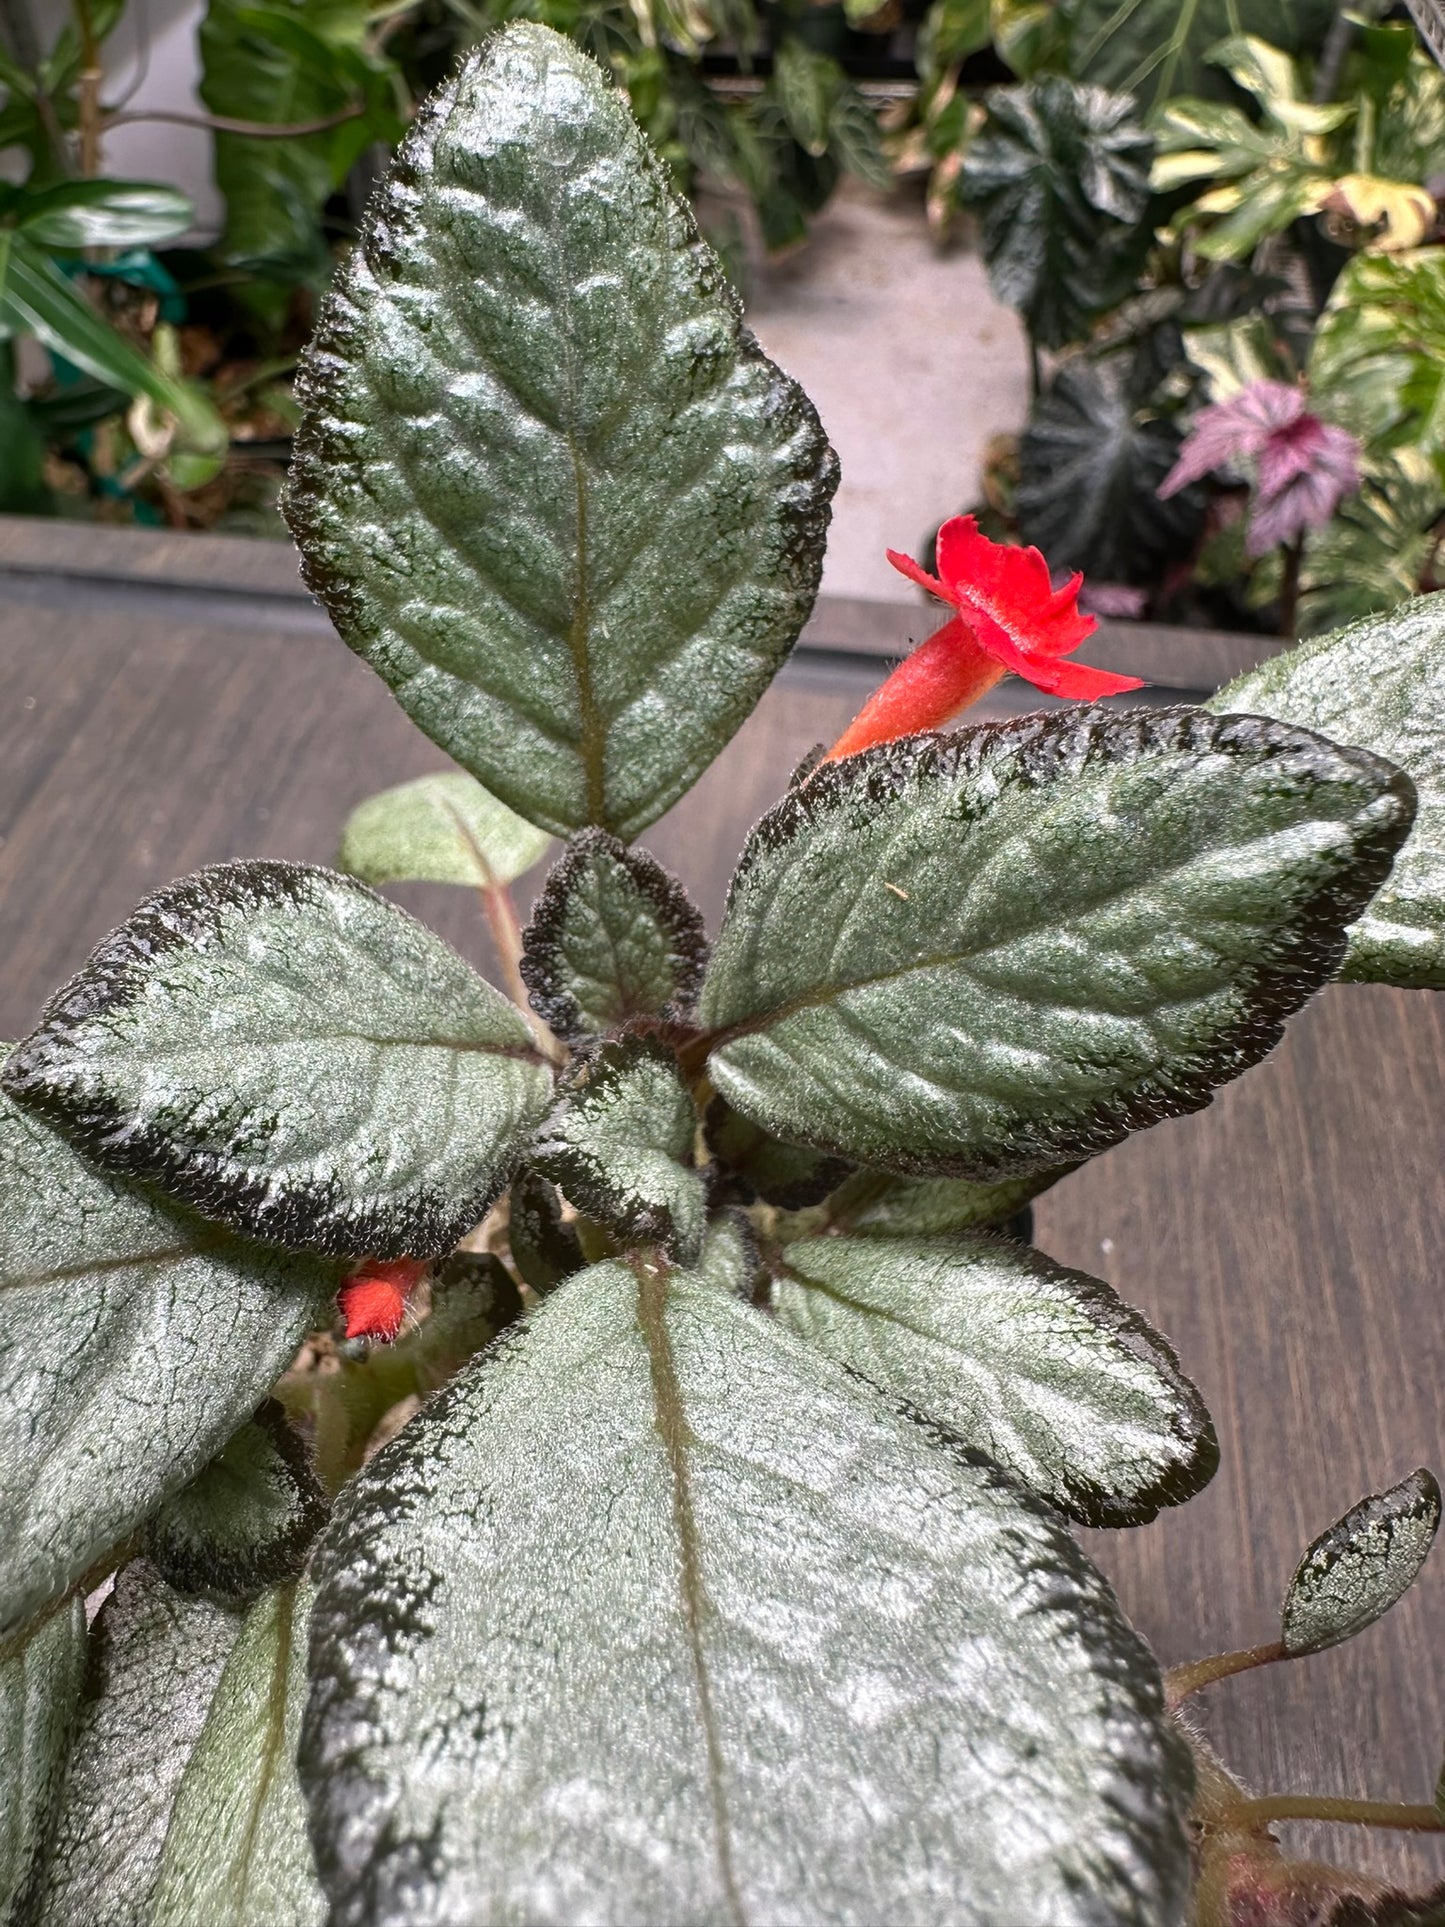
(752, 1165)
(1357, 1569)
(292, 1055)
(874, 1204)
(1046, 1371)
(545, 483)
(613, 936)
(159, 1658)
(39, 1693)
(439, 829)
(236, 1852)
(1379, 684)
(576, 1699)
(620, 1144)
(136, 1339)
(544, 1248)
(1106, 916)
(247, 1521)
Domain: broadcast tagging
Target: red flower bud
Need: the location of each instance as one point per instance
(373, 1300)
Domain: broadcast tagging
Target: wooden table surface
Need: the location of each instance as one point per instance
(169, 702)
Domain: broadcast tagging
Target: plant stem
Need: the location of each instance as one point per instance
(91, 76)
(1036, 372)
(1181, 1681)
(253, 129)
(1360, 1813)
(1289, 588)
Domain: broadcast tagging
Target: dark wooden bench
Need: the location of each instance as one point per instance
(172, 701)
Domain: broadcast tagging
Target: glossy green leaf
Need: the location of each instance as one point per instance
(750, 1165)
(136, 1340)
(74, 215)
(236, 1852)
(40, 1686)
(439, 829)
(1107, 916)
(159, 1658)
(1357, 1569)
(247, 1520)
(292, 1055)
(1155, 49)
(544, 1248)
(545, 483)
(620, 1145)
(876, 1204)
(577, 1697)
(1379, 684)
(1044, 1370)
(1060, 176)
(1091, 460)
(613, 936)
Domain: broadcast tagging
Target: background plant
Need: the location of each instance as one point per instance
(725, 1458)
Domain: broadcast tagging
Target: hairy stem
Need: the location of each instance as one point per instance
(1181, 1681)
(1398, 1815)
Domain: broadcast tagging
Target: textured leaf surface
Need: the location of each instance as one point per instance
(545, 1249)
(620, 1145)
(39, 1692)
(236, 1852)
(136, 1339)
(546, 484)
(439, 829)
(579, 1698)
(875, 1204)
(1355, 1571)
(1106, 917)
(1379, 684)
(285, 1051)
(1045, 1370)
(159, 1658)
(613, 936)
(246, 1521)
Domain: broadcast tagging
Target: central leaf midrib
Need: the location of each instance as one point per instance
(671, 1421)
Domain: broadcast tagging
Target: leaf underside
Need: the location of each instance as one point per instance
(288, 1053)
(1379, 684)
(577, 1699)
(136, 1339)
(439, 829)
(1044, 1370)
(1356, 1570)
(546, 483)
(984, 954)
(613, 937)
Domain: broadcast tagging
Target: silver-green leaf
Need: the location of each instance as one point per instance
(1380, 684)
(236, 1852)
(613, 936)
(553, 1681)
(620, 1145)
(546, 483)
(136, 1339)
(439, 829)
(1357, 1569)
(282, 1049)
(1044, 1370)
(985, 954)
(40, 1686)
(247, 1520)
(878, 1204)
(159, 1659)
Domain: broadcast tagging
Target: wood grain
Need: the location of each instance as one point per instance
(1288, 1240)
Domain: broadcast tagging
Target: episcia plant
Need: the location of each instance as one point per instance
(599, 1455)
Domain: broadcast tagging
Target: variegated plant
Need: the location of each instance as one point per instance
(673, 1526)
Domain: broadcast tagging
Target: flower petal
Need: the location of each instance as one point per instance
(1005, 589)
(927, 689)
(905, 565)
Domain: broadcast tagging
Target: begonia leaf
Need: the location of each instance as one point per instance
(1380, 684)
(137, 1338)
(988, 954)
(40, 1684)
(576, 1697)
(613, 936)
(545, 482)
(439, 829)
(619, 1143)
(287, 1052)
(1044, 1370)
(247, 1520)
(1359, 1567)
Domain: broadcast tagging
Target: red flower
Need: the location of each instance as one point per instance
(1010, 617)
(373, 1300)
